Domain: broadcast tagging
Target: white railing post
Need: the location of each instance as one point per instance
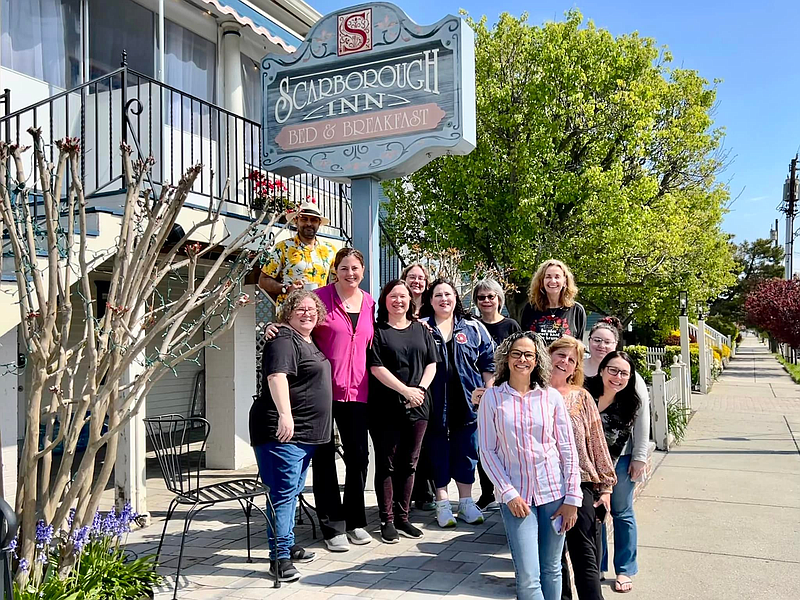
(676, 372)
(659, 406)
(684, 323)
(733, 347)
(686, 383)
(702, 344)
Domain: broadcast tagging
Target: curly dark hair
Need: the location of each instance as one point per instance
(627, 398)
(540, 375)
(427, 297)
(383, 312)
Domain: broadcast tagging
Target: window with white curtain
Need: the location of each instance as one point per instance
(42, 38)
(191, 62)
(117, 26)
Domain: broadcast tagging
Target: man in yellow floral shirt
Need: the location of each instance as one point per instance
(302, 261)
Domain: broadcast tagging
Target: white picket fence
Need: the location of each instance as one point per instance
(673, 386)
(654, 355)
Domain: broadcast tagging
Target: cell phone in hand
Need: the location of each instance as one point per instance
(558, 524)
(600, 513)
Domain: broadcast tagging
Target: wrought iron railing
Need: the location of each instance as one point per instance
(176, 129)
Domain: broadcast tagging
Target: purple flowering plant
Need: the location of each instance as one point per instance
(89, 550)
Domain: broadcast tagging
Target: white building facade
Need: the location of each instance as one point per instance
(178, 80)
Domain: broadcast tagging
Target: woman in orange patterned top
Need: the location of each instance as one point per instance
(597, 470)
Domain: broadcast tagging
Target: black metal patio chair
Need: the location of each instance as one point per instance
(179, 444)
(8, 529)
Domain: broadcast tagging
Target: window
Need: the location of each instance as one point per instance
(42, 38)
(117, 26)
(191, 62)
(251, 82)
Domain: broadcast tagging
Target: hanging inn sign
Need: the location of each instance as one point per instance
(369, 93)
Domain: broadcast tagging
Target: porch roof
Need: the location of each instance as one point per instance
(258, 22)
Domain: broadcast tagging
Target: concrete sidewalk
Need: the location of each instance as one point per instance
(720, 518)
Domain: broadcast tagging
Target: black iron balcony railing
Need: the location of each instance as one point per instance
(176, 129)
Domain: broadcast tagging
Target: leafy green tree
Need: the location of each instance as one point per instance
(753, 262)
(591, 149)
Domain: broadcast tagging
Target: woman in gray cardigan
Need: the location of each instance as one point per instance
(604, 338)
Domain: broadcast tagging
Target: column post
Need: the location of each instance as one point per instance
(230, 387)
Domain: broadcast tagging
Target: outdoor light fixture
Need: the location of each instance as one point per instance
(683, 302)
(701, 311)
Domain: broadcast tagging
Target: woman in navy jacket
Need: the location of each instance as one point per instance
(466, 367)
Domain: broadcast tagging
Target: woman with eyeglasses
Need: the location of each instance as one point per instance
(551, 309)
(464, 370)
(626, 422)
(597, 470)
(489, 297)
(528, 450)
(291, 418)
(416, 276)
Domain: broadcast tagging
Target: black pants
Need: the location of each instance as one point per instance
(335, 516)
(424, 490)
(397, 447)
(583, 543)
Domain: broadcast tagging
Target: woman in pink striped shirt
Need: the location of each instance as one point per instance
(528, 451)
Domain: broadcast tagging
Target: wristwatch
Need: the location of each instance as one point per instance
(283, 290)
(424, 389)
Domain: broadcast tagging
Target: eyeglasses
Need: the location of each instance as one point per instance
(516, 355)
(601, 342)
(306, 311)
(415, 278)
(490, 297)
(615, 372)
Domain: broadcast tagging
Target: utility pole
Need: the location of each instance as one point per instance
(773, 234)
(789, 207)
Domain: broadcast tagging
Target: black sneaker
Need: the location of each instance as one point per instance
(286, 570)
(408, 530)
(486, 502)
(298, 554)
(389, 533)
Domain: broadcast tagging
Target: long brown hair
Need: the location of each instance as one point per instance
(537, 295)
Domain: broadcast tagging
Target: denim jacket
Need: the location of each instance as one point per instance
(474, 355)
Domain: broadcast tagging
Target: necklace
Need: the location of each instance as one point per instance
(346, 304)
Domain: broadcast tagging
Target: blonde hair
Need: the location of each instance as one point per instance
(537, 295)
(570, 343)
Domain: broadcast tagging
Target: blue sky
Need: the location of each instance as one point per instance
(752, 46)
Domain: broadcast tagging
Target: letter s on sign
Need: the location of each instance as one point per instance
(350, 26)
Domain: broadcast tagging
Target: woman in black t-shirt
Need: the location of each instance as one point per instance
(552, 310)
(291, 417)
(402, 364)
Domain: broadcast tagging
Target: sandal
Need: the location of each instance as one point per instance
(623, 586)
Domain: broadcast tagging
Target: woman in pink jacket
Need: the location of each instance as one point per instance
(343, 338)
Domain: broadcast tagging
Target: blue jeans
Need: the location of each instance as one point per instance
(283, 470)
(536, 551)
(624, 523)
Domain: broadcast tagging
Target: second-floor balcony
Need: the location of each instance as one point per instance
(177, 130)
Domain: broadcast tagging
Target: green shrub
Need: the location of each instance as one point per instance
(639, 356)
(677, 419)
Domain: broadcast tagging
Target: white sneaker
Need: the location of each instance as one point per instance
(338, 543)
(358, 536)
(469, 512)
(444, 514)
